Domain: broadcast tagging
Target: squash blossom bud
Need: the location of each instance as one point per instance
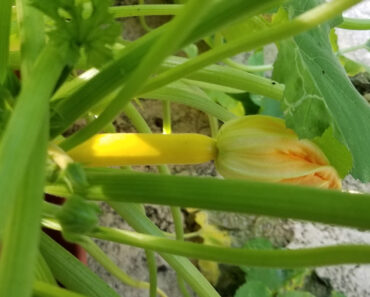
(261, 148)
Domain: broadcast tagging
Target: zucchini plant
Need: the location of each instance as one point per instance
(65, 60)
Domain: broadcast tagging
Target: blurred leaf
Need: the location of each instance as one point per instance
(281, 16)
(259, 243)
(296, 294)
(240, 28)
(210, 270)
(5, 108)
(253, 289)
(191, 50)
(336, 152)
(210, 233)
(271, 107)
(337, 294)
(246, 99)
(352, 67)
(274, 279)
(295, 278)
(213, 236)
(81, 24)
(257, 58)
(271, 278)
(227, 102)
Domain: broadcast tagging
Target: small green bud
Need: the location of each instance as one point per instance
(77, 217)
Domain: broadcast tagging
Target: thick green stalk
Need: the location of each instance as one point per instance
(271, 199)
(307, 257)
(168, 43)
(133, 216)
(70, 272)
(355, 24)
(145, 10)
(31, 26)
(23, 128)
(21, 236)
(5, 18)
(304, 22)
(42, 289)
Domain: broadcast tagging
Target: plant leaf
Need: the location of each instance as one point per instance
(253, 289)
(334, 91)
(337, 153)
(86, 24)
(303, 104)
(296, 294)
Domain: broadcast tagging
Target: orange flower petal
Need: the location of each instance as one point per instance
(261, 148)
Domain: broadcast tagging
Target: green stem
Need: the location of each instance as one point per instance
(132, 214)
(302, 23)
(166, 110)
(142, 18)
(213, 124)
(307, 257)
(271, 199)
(41, 289)
(145, 10)
(169, 42)
(32, 107)
(5, 19)
(181, 92)
(355, 24)
(224, 76)
(31, 24)
(136, 119)
(249, 68)
(152, 265)
(93, 250)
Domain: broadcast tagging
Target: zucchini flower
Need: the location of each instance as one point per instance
(261, 148)
(254, 147)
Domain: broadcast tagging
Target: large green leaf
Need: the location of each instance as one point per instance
(303, 104)
(322, 95)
